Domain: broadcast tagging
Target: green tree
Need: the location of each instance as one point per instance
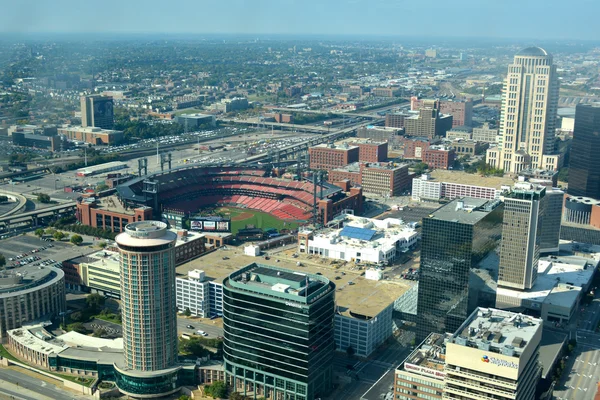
(216, 390)
(58, 235)
(101, 187)
(77, 327)
(102, 245)
(77, 316)
(50, 231)
(95, 301)
(39, 232)
(563, 175)
(43, 198)
(187, 312)
(184, 397)
(76, 240)
(99, 332)
(420, 167)
(2, 260)
(192, 346)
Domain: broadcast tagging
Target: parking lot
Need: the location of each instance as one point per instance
(113, 330)
(25, 244)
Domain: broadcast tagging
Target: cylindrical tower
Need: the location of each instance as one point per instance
(148, 296)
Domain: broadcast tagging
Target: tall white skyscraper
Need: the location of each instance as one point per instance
(527, 123)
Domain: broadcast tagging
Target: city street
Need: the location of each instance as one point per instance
(213, 330)
(582, 372)
(19, 384)
(371, 378)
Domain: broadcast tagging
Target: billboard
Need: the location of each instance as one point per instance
(210, 224)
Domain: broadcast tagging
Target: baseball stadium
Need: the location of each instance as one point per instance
(251, 195)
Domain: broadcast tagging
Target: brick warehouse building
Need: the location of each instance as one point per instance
(439, 157)
(371, 151)
(329, 156)
(385, 179)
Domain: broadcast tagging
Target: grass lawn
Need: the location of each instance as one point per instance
(107, 317)
(257, 218)
(4, 353)
(77, 379)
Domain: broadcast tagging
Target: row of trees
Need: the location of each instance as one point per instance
(59, 235)
(481, 167)
(91, 231)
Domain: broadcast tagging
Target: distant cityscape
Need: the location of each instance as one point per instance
(299, 219)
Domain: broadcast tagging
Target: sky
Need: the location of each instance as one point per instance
(519, 19)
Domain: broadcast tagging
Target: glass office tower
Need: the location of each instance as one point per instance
(454, 239)
(584, 168)
(278, 326)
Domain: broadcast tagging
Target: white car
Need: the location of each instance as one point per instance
(200, 332)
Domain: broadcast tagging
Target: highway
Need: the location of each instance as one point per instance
(19, 384)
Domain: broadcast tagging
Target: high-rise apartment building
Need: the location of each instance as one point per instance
(494, 354)
(454, 239)
(520, 247)
(97, 111)
(279, 334)
(528, 119)
(584, 168)
(147, 258)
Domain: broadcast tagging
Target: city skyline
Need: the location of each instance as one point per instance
(537, 19)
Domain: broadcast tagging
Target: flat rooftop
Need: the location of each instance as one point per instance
(559, 282)
(26, 277)
(273, 281)
(501, 331)
(362, 297)
(110, 203)
(429, 354)
(343, 146)
(34, 338)
(466, 210)
(464, 178)
(196, 116)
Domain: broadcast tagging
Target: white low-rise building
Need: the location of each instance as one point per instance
(202, 296)
(360, 240)
(559, 287)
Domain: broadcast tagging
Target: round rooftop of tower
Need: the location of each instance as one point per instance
(145, 234)
(532, 51)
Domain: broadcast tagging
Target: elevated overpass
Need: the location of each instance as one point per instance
(32, 217)
(288, 151)
(325, 112)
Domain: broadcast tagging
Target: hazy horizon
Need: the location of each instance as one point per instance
(538, 20)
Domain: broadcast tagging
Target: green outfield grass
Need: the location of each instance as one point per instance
(242, 217)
